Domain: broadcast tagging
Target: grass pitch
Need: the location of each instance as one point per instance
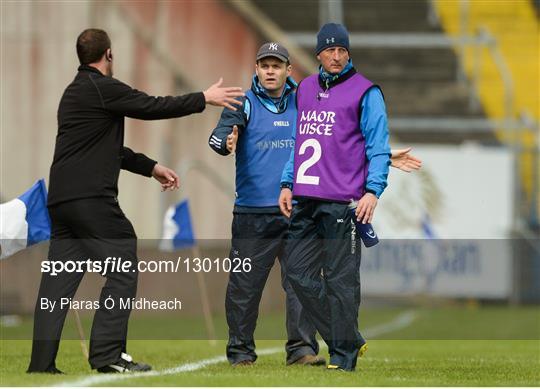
(494, 346)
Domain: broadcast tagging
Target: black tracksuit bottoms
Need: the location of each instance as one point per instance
(323, 267)
(94, 228)
(261, 237)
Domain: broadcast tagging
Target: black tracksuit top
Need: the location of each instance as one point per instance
(89, 151)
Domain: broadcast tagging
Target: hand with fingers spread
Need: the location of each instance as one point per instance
(232, 138)
(223, 96)
(402, 160)
(285, 202)
(166, 177)
(366, 208)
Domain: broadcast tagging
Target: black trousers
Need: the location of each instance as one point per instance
(323, 267)
(261, 237)
(94, 228)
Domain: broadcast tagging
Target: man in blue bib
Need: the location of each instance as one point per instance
(260, 133)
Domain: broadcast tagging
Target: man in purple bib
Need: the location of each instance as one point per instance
(337, 172)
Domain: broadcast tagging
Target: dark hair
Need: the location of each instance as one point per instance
(91, 45)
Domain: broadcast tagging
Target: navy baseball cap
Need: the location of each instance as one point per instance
(367, 234)
(366, 231)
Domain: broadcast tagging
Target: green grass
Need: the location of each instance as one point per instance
(499, 346)
(451, 322)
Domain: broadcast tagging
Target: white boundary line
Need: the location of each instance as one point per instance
(401, 321)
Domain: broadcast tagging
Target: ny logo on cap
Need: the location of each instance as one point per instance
(273, 46)
(330, 40)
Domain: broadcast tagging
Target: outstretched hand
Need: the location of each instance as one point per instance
(166, 177)
(402, 160)
(223, 96)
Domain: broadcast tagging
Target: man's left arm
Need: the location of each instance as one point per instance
(137, 163)
(374, 127)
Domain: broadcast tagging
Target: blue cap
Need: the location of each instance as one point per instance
(367, 234)
(332, 35)
(366, 231)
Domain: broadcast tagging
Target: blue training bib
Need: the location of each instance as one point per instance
(261, 153)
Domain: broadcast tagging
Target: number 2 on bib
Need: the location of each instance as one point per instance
(302, 177)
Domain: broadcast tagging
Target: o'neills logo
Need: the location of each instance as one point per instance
(317, 122)
(281, 123)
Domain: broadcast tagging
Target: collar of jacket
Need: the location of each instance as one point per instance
(87, 68)
(264, 98)
(327, 81)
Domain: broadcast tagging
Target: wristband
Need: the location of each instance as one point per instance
(371, 191)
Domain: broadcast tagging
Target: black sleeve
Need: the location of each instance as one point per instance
(229, 118)
(120, 99)
(137, 162)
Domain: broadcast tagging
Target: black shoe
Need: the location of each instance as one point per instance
(243, 363)
(51, 370)
(309, 360)
(125, 364)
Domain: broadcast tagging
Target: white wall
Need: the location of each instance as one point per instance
(467, 193)
(465, 190)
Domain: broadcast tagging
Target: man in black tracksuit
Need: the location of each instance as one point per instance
(87, 221)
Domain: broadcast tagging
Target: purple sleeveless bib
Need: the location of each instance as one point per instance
(329, 154)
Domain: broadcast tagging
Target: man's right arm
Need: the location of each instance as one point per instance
(228, 119)
(286, 182)
(120, 99)
(288, 171)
